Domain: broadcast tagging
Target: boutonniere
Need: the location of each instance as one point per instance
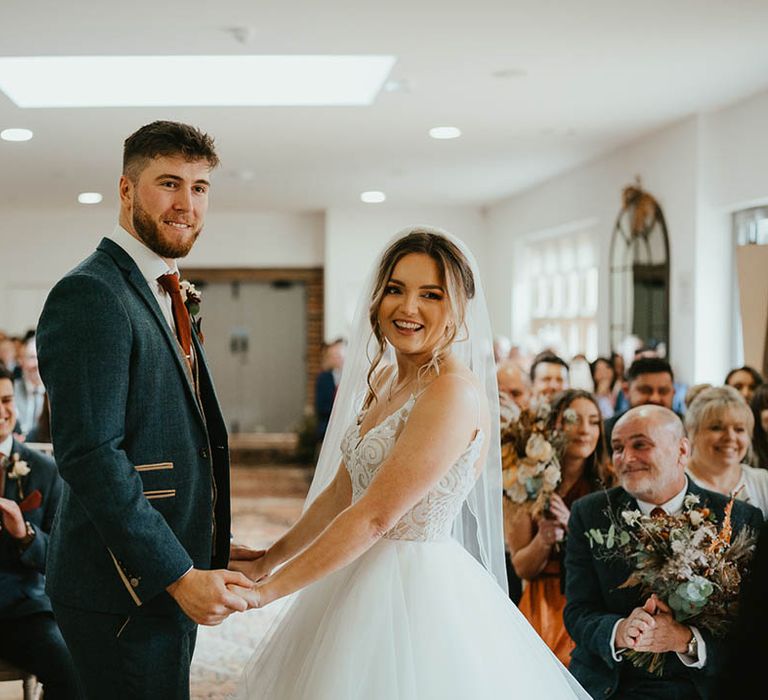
(19, 469)
(192, 299)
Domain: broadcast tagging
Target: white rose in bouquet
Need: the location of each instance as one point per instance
(538, 449)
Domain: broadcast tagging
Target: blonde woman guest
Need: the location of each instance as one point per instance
(720, 425)
(534, 537)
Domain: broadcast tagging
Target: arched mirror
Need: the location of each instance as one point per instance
(639, 271)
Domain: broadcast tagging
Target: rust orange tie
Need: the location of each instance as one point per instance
(170, 283)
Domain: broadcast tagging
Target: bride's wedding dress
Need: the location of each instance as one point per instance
(414, 618)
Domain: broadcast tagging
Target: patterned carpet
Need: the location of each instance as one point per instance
(266, 501)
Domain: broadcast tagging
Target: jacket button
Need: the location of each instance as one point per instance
(204, 452)
(135, 582)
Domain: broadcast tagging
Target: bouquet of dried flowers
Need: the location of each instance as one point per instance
(685, 560)
(530, 454)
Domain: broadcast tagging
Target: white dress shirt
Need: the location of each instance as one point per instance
(6, 447)
(151, 266)
(673, 506)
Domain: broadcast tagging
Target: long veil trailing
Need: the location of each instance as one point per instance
(479, 525)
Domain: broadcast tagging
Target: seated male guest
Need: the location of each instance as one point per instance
(649, 456)
(29, 495)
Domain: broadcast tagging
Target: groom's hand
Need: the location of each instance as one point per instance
(204, 596)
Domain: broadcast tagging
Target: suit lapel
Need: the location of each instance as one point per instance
(139, 284)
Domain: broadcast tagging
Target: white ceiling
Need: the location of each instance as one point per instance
(577, 80)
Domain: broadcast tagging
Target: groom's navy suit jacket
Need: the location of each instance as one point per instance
(595, 602)
(139, 441)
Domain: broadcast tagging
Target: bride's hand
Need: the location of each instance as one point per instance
(250, 595)
(241, 551)
(255, 568)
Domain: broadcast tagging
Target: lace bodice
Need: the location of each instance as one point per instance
(432, 517)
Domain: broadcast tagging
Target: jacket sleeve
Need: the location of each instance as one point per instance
(35, 555)
(585, 617)
(84, 351)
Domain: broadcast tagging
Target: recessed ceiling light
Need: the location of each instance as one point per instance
(89, 198)
(445, 132)
(16, 134)
(142, 81)
(373, 197)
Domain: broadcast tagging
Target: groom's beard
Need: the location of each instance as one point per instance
(149, 232)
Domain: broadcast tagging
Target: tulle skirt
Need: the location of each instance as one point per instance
(405, 621)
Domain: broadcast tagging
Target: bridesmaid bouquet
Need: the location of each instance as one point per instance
(530, 454)
(685, 560)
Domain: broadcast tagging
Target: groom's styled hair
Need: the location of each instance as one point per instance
(166, 138)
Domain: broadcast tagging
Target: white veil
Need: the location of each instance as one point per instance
(479, 525)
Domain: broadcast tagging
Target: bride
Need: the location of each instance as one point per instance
(390, 605)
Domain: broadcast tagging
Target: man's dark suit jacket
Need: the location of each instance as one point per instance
(595, 603)
(744, 671)
(22, 580)
(325, 392)
(140, 443)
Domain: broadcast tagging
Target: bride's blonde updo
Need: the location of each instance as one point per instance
(457, 278)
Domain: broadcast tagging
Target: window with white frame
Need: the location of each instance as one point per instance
(562, 279)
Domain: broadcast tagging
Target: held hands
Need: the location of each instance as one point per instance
(653, 628)
(251, 562)
(243, 552)
(12, 519)
(205, 596)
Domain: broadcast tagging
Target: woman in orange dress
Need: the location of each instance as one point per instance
(535, 539)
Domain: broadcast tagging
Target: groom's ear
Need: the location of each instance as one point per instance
(125, 188)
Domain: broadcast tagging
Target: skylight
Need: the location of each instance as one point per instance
(168, 81)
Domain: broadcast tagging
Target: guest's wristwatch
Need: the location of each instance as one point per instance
(693, 647)
(28, 538)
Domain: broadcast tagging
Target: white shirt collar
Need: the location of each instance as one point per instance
(672, 507)
(6, 446)
(150, 264)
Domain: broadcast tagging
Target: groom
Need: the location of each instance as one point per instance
(139, 552)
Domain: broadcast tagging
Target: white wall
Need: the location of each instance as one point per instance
(355, 235)
(260, 239)
(48, 243)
